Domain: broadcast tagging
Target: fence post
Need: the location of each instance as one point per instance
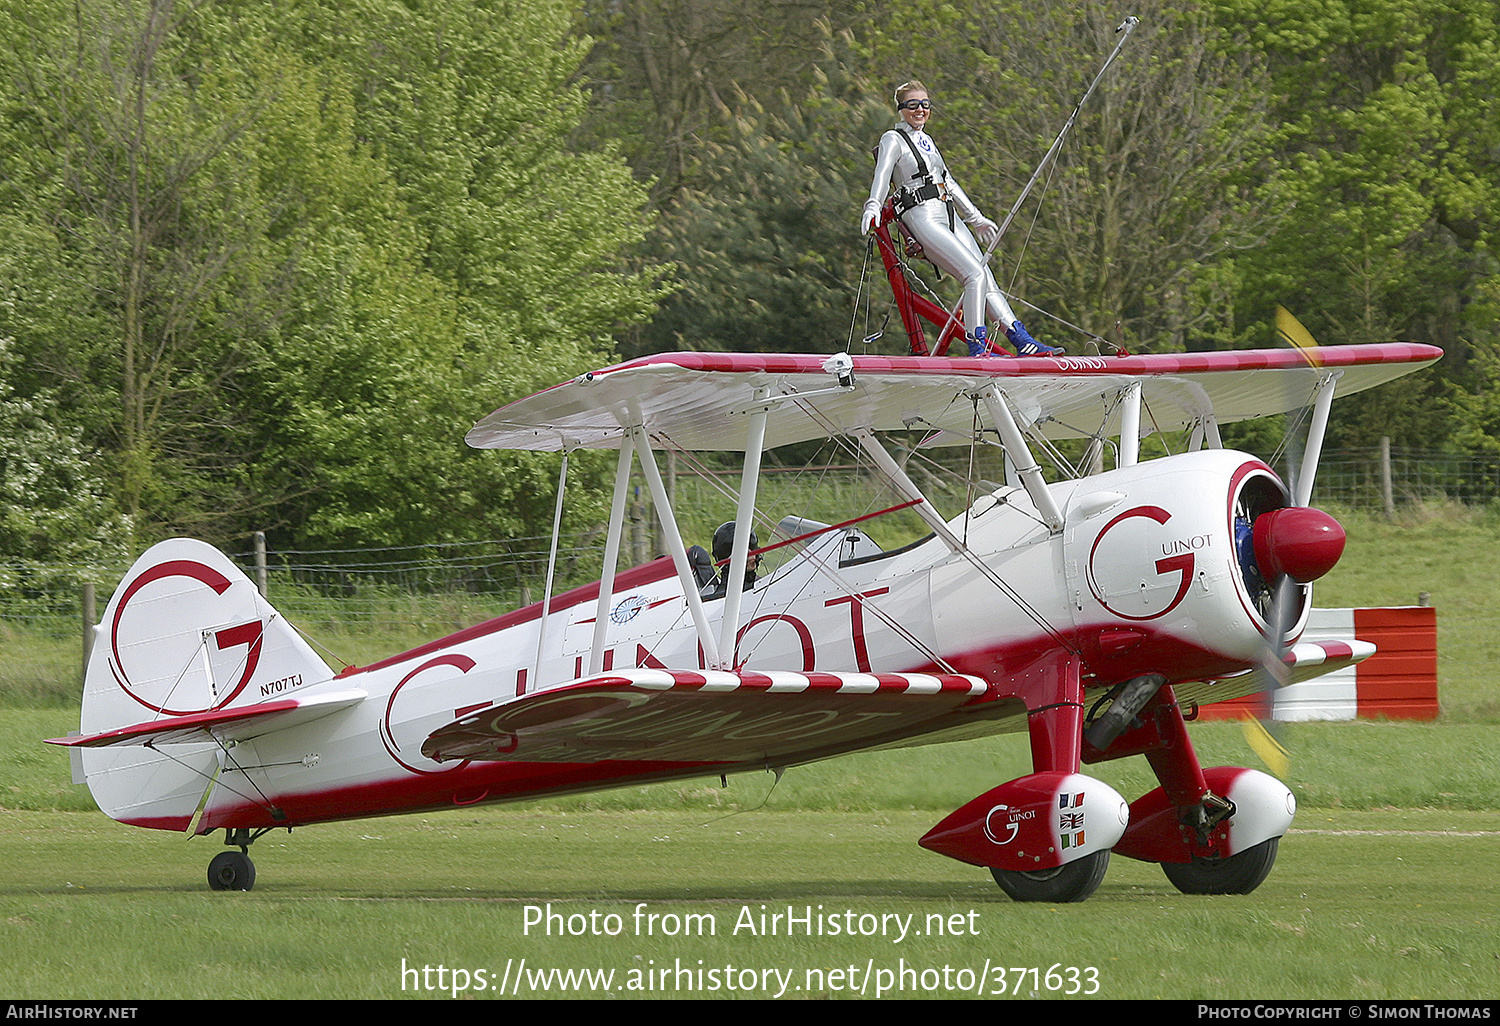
(1385, 477)
(260, 562)
(637, 529)
(89, 620)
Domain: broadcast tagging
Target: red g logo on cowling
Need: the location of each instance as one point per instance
(1129, 557)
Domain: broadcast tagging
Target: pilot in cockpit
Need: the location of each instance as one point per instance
(710, 573)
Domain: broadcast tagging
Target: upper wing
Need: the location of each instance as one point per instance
(694, 399)
(238, 723)
(723, 717)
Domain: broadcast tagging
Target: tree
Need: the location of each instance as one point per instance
(504, 273)
(767, 248)
(307, 244)
(668, 76)
(1390, 146)
(55, 510)
(132, 163)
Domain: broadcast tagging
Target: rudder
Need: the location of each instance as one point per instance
(186, 632)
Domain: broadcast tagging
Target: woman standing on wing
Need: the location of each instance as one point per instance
(926, 200)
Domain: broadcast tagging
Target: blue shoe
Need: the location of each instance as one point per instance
(979, 344)
(1028, 346)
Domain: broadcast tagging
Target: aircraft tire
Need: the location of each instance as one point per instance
(1073, 881)
(1237, 874)
(231, 871)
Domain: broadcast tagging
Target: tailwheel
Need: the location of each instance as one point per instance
(231, 871)
(1236, 874)
(1072, 881)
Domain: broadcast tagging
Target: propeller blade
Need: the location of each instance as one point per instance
(1266, 745)
(1293, 545)
(1295, 335)
(1264, 733)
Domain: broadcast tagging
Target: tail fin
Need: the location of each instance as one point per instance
(185, 634)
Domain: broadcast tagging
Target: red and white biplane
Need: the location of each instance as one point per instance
(1091, 611)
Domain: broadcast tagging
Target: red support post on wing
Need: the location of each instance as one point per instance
(912, 307)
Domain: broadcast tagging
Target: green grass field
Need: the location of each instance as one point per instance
(1388, 886)
(1388, 904)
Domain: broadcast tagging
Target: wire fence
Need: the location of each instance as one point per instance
(439, 587)
(1360, 481)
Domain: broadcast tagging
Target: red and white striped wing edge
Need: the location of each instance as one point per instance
(784, 681)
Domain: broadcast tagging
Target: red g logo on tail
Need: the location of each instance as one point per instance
(160, 648)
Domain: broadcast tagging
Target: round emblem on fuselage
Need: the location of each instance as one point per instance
(626, 609)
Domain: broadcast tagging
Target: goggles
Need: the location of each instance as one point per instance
(915, 105)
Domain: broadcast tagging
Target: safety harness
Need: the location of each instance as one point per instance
(910, 196)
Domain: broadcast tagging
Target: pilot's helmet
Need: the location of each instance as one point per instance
(724, 541)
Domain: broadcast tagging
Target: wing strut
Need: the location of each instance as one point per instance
(1205, 434)
(1020, 455)
(907, 487)
(1315, 432)
(668, 520)
(541, 635)
(755, 440)
(1130, 425)
(611, 554)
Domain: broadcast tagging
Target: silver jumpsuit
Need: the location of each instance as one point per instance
(947, 243)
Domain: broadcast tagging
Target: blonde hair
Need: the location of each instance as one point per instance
(905, 89)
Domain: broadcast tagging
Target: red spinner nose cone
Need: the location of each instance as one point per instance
(1299, 541)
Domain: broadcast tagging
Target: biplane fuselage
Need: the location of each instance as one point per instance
(1019, 614)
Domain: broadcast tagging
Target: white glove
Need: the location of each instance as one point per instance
(986, 230)
(871, 219)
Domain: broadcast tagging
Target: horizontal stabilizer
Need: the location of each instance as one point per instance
(718, 717)
(239, 723)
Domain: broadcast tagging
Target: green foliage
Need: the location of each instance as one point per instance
(275, 259)
(768, 252)
(54, 506)
(1476, 408)
(264, 262)
(1390, 160)
(1337, 159)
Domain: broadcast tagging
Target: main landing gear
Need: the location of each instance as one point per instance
(1232, 874)
(233, 870)
(1072, 881)
(1048, 836)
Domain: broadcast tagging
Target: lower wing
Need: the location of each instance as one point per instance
(727, 717)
